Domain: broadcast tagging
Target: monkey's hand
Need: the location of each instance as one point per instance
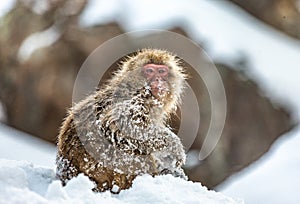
(177, 173)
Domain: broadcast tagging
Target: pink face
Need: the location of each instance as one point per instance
(157, 76)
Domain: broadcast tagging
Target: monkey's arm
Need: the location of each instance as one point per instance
(128, 128)
(170, 159)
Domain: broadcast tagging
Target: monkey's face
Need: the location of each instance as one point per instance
(156, 69)
(157, 78)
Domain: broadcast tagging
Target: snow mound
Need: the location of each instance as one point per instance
(24, 182)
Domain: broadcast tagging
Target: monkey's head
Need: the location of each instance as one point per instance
(154, 69)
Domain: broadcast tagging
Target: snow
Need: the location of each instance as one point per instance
(16, 145)
(228, 33)
(38, 6)
(24, 182)
(36, 41)
(272, 179)
(6, 6)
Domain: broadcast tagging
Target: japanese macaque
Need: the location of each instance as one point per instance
(121, 131)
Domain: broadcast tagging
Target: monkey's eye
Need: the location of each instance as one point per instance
(149, 70)
(161, 71)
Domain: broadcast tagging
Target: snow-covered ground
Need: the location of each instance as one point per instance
(228, 33)
(23, 182)
(274, 178)
(16, 145)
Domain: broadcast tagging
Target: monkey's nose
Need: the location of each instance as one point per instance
(158, 78)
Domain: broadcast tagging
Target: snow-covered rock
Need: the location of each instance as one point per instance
(24, 182)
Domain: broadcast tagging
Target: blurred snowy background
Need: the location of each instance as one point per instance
(255, 46)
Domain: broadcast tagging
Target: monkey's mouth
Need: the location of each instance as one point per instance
(158, 88)
(158, 91)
